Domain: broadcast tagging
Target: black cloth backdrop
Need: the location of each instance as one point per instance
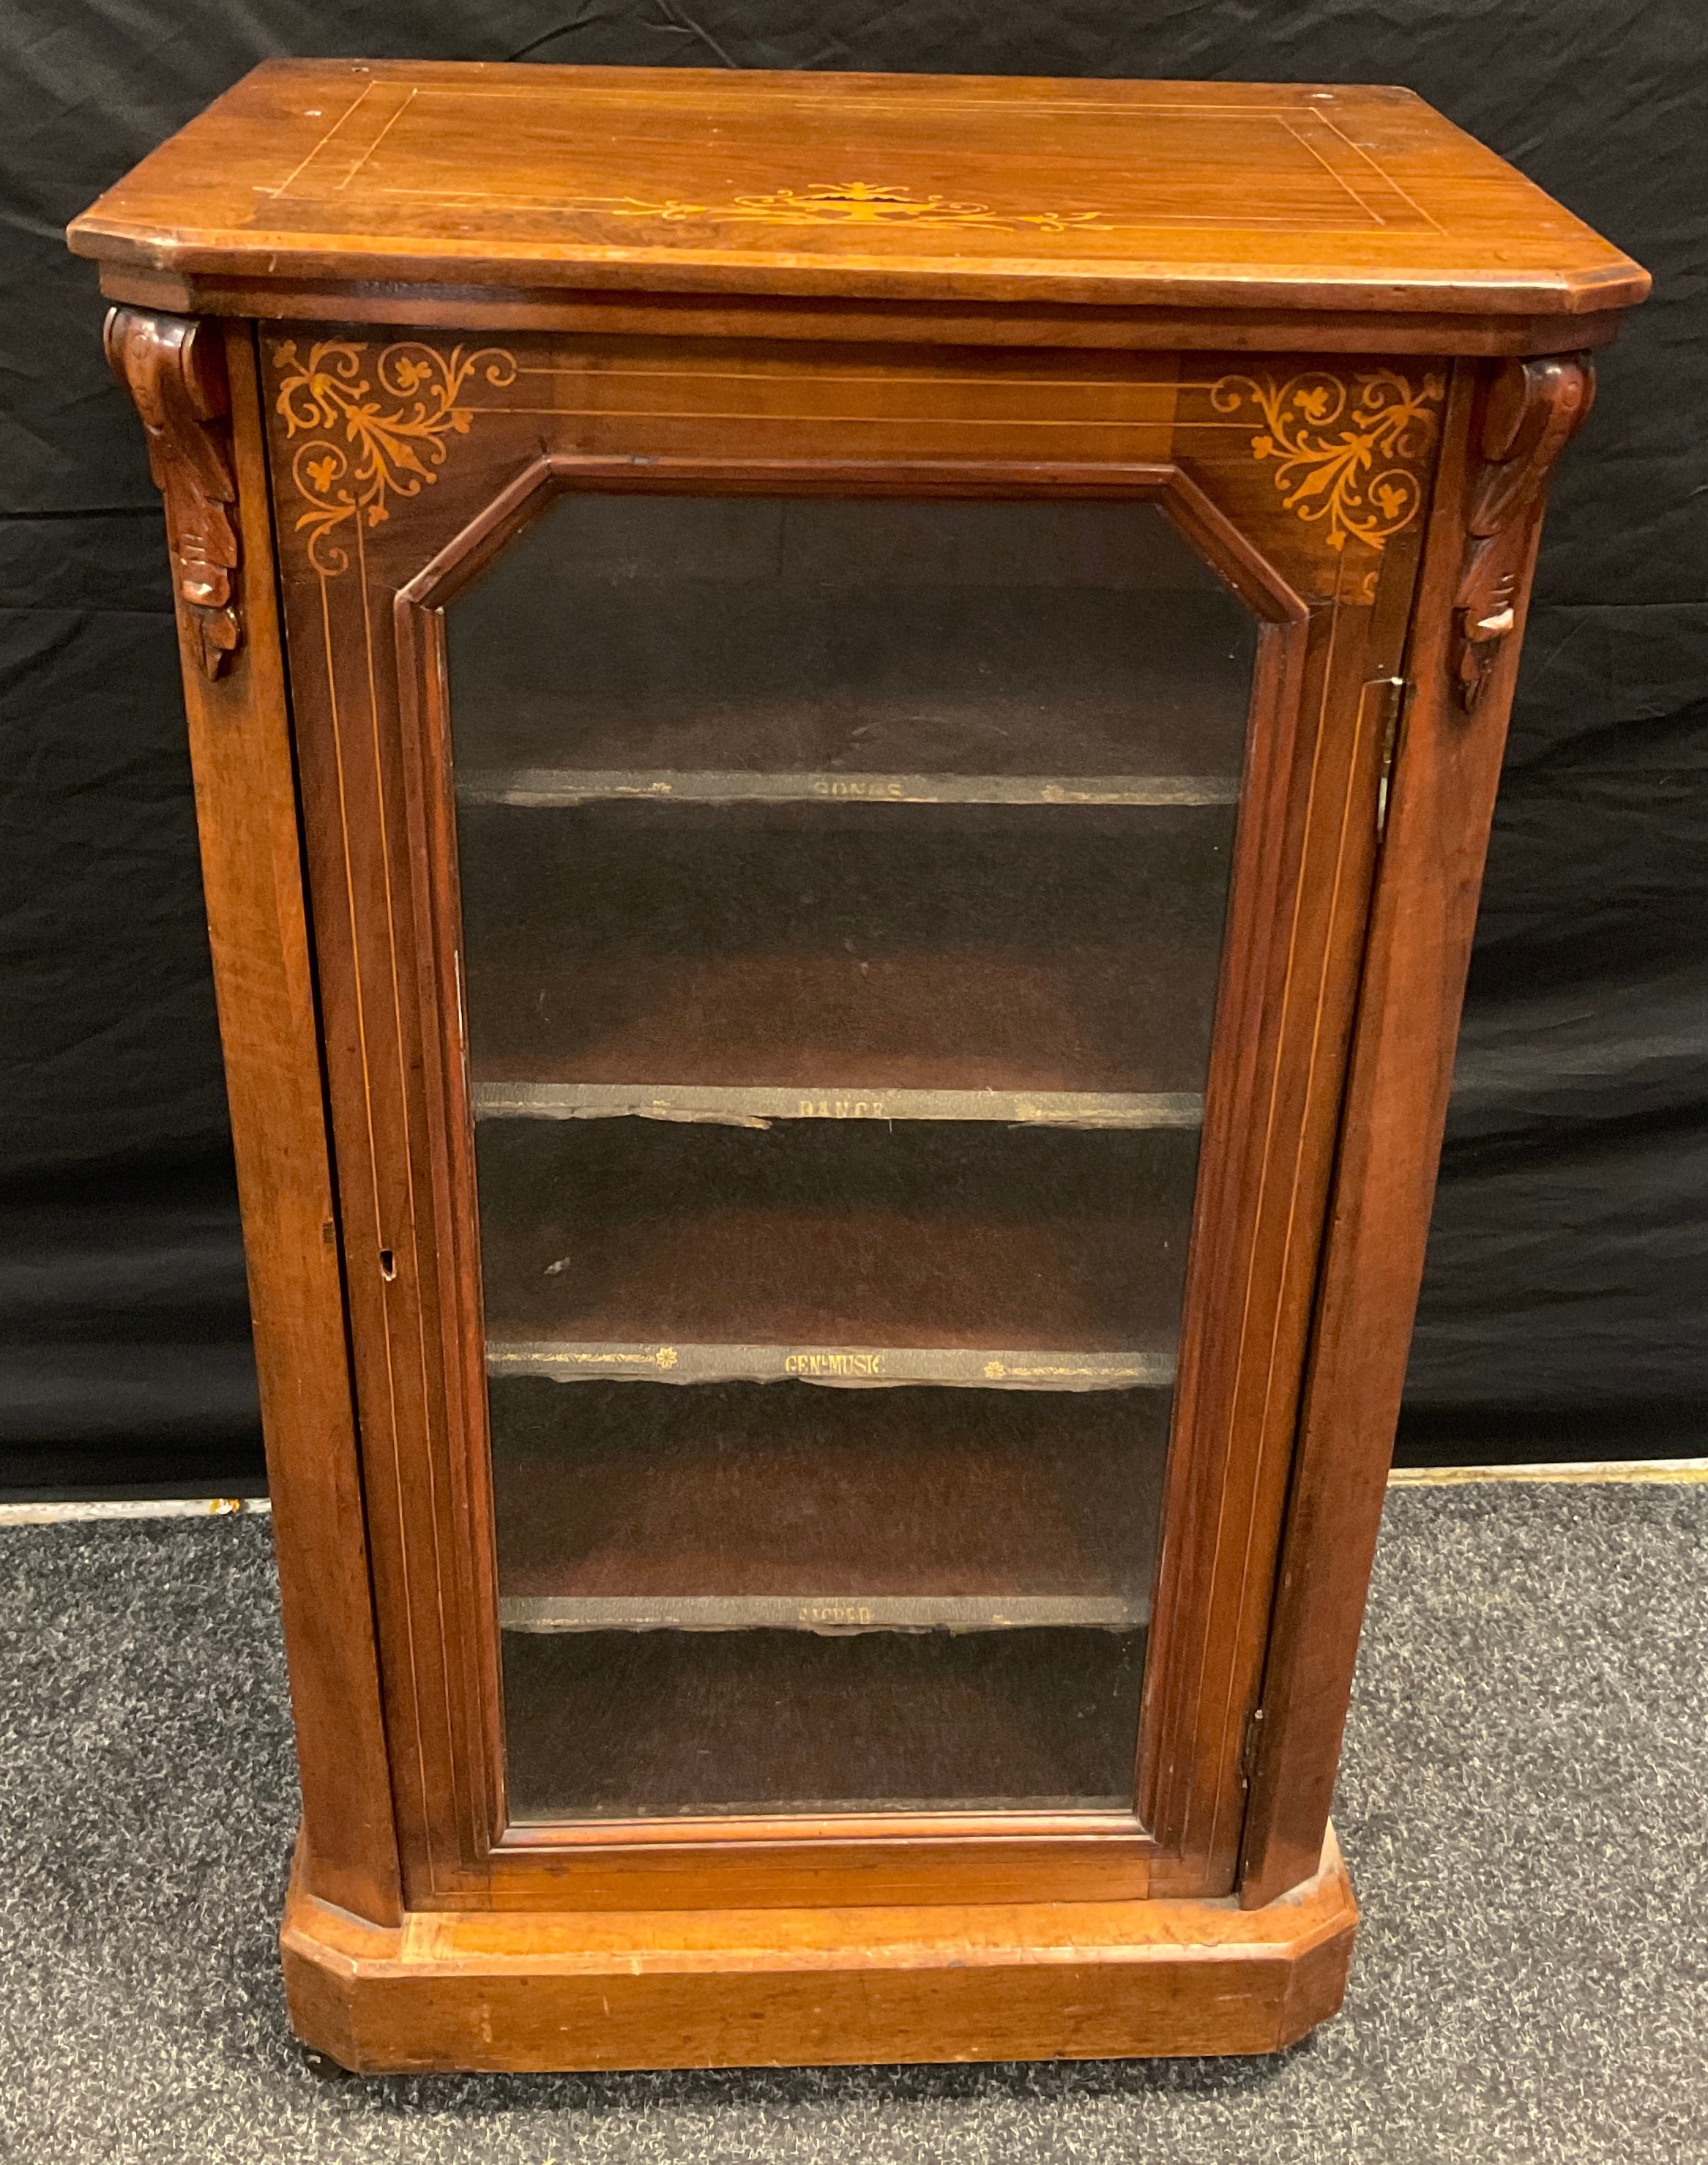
(1563, 1311)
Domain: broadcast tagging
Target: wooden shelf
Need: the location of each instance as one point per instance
(622, 1724)
(852, 1367)
(843, 1252)
(856, 672)
(1097, 1017)
(546, 789)
(810, 950)
(736, 1507)
(757, 1107)
(832, 1615)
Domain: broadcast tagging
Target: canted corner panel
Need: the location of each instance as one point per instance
(1325, 466)
(367, 428)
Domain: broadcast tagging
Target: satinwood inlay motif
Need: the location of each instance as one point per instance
(851, 202)
(364, 447)
(1534, 408)
(174, 369)
(1352, 456)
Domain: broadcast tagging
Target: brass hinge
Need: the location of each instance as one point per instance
(1392, 692)
(1251, 1744)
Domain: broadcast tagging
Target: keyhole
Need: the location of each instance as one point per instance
(388, 1264)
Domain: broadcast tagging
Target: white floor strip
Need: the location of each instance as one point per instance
(139, 1507)
(1583, 1470)
(1664, 1470)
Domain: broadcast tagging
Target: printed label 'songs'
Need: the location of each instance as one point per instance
(856, 785)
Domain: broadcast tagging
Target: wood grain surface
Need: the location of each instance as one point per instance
(376, 554)
(252, 879)
(1424, 915)
(916, 187)
(987, 1980)
(1325, 348)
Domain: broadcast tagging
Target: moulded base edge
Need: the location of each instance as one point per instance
(481, 1991)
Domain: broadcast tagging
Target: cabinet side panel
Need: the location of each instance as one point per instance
(1445, 780)
(247, 812)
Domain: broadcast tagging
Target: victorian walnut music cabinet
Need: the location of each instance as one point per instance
(844, 729)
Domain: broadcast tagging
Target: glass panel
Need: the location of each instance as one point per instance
(843, 890)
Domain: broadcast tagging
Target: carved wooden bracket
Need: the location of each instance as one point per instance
(1533, 410)
(175, 372)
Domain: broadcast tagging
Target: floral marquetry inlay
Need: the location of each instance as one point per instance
(371, 435)
(852, 202)
(1352, 457)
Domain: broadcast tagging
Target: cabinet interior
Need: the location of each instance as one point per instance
(843, 887)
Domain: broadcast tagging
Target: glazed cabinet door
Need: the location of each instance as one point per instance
(843, 884)
(838, 878)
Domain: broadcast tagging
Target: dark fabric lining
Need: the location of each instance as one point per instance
(1563, 1313)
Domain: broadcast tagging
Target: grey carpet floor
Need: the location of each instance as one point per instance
(1522, 1805)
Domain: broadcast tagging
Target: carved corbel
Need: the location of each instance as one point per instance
(174, 369)
(1533, 409)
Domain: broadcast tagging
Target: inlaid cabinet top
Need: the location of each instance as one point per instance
(941, 188)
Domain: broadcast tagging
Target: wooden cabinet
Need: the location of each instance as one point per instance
(844, 729)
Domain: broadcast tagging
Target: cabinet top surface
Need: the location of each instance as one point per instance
(902, 188)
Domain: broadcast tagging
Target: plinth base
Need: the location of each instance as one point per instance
(481, 1991)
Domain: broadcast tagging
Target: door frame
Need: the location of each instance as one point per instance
(380, 848)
